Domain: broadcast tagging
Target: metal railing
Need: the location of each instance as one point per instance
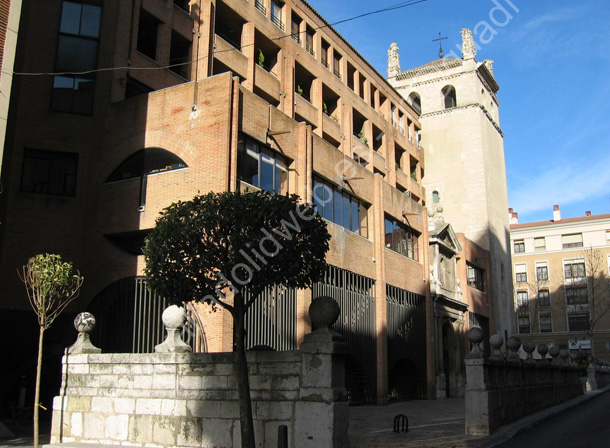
(277, 21)
(309, 49)
(259, 5)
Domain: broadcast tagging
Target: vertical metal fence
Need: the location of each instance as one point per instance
(406, 313)
(271, 320)
(355, 295)
(129, 319)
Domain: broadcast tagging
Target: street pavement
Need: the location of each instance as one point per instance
(432, 424)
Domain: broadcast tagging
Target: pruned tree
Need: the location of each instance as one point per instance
(215, 246)
(51, 285)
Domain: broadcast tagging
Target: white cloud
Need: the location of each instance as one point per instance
(567, 181)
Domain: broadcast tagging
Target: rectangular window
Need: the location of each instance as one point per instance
(401, 239)
(182, 4)
(276, 14)
(295, 28)
(540, 244)
(324, 54)
(546, 322)
(309, 35)
(519, 246)
(180, 55)
(524, 323)
(608, 236)
(259, 5)
(337, 206)
(475, 277)
(578, 321)
(49, 172)
(337, 64)
(542, 272)
(521, 273)
(544, 297)
(574, 270)
(77, 47)
(523, 299)
(148, 30)
(572, 240)
(262, 168)
(577, 295)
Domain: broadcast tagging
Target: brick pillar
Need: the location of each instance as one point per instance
(205, 42)
(249, 50)
(381, 318)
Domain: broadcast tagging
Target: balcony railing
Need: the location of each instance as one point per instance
(277, 21)
(309, 49)
(259, 5)
(296, 38)
(324, 62)
(337, 73)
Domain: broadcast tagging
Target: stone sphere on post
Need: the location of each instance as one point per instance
(84, 324)
(513, 344)
(323, 312)
(475, 336)
(496, 342)
(173, 318)
(542, 349)
(564, 354)
(528, 348)
(554, 352)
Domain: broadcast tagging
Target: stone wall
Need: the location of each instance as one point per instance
(502, 388)
(191, 400)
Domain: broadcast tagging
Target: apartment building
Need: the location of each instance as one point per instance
(132, 105)
(561, 283)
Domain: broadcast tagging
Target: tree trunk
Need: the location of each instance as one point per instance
(37, 390)
(241, 373)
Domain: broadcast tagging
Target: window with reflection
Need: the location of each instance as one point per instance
(262, 168)
(401, 239)
(77, 49)
(340, 207)
(49, 172)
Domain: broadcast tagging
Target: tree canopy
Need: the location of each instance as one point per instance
(236, 240)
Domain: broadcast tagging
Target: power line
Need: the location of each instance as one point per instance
(109, 69)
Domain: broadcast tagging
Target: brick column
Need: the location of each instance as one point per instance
(249, 50)
(381, 318)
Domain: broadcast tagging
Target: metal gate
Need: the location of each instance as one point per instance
(355, 295)
(128, 319)
(271, 320)
(406, 313)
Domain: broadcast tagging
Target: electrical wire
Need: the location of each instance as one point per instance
(109, 69)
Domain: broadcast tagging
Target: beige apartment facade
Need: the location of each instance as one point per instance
(561, 282)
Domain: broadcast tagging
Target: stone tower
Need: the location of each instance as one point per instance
(464, 153)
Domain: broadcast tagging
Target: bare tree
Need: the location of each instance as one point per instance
(51, 286)
(587, 290)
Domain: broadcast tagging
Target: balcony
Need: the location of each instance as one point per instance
(309, 49)
(331, 127)
(235, 60)
(267, 82)
(306, 110)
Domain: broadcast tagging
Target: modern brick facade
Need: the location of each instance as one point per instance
(176, 95)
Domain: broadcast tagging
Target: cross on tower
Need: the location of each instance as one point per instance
(440, 39)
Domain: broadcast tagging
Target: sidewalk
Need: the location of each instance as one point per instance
(438, 424)
(432, 424)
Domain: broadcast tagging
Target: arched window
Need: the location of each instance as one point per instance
(415, 101)
(449, 96)
(144, 162)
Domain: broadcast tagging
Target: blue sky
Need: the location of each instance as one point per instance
(552, 60)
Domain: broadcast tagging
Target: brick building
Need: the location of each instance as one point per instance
(137, 104)
(561, 283)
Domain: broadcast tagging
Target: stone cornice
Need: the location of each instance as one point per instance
(468, 106)
(428, 69)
